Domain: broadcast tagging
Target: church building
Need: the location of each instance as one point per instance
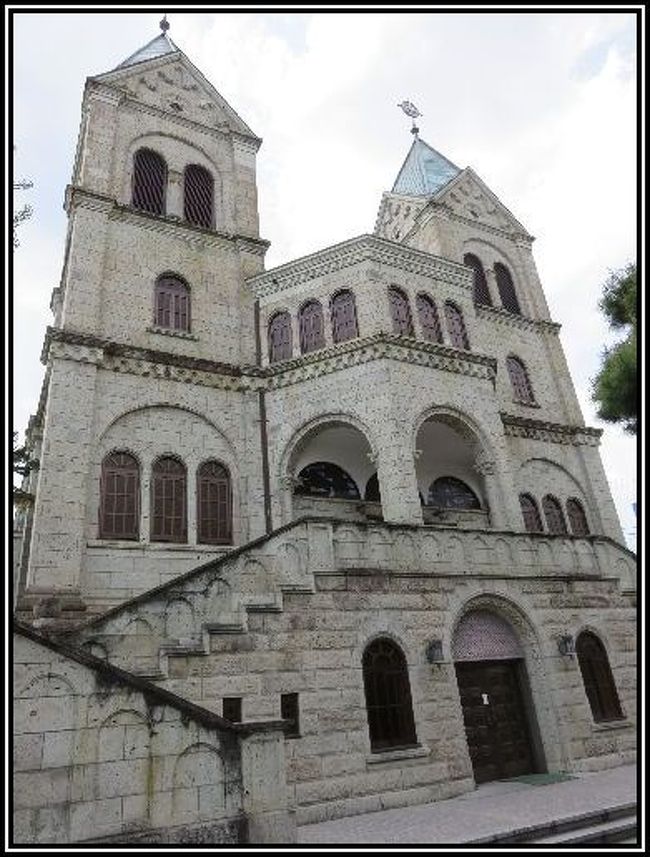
(310, 541)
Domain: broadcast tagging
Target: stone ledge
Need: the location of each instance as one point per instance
(611, 725)
(421, 751)
(167, 331)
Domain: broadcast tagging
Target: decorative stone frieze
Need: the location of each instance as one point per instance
(553, 432)
(501, 316)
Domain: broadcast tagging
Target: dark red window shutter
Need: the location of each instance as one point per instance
(311, 327)
(214, 504)
(168, 501)
(506, 289)
(198, 202)
(577, 517)
(521, 387)
(388, 696)
(119, 490)
(280, 337)
(530, 512)
(429, 321)
(597, 677)
(554, 515)
(456, 326)
(149, 181)
(172, 303)
(344, 317)
(481, 291)
(400, 311)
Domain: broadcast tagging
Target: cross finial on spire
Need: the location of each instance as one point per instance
(164, 24)
(411, 110)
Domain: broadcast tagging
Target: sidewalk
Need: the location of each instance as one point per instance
(491, 809)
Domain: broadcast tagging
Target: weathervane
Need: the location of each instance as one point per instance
(411, 110)
(164, 24)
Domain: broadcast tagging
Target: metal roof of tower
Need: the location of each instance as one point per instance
(424, 171)
(158, 47)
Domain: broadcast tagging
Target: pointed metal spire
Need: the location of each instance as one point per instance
(164, 24)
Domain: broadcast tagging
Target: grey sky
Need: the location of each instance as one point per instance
(542, 106)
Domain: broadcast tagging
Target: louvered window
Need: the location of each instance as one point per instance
(311, 327)
(214, 504)
(344, 317)
(149, 181)
(451, 493)
(456, 326)
(530, 512)
(481, 291)
(198, 200)
(388, 696)
(429, 321)
(172, 303)
(598, 679)
(554, 516)
(521, 387)
(168, 501)
(577, 517)
(506, 289)
(119, 490)
(280, 337)
(400, 312)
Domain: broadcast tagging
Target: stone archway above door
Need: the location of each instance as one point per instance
(483, 636)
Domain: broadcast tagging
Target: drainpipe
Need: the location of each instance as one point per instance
(263, 427)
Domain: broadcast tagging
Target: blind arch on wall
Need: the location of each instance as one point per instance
(506, 288)
(554, 516)
(172, 303)
(597, 678)
(530, 513)
(388, 696)
(310, 320)
(280, 337)
(521, 387)
(428, 317)
(198, 196)
(481, 290)
(119, 497)
(168, 500)
(149, 182)
(456, 326)
(214, 504)
(344, 316)
(400, 311)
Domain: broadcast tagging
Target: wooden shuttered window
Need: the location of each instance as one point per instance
(214, 504)
(344, 317)
(400, 312)
(172, 303)
(310, 321)
(481, 291)
(149, 181)
(428, 317)
(554, 516)
(530, 513)
(280, 337)
(456, 326)
(198, 196)
(577, 517)
(388, 696)
(506, 289)
(119, 490)
(597, 678)
(168, 501)
(521, 386)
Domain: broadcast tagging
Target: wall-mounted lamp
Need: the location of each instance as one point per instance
(434, 652)
(567, 646)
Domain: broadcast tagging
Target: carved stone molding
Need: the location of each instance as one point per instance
(483, 464)
(552, 432)
(502, 316)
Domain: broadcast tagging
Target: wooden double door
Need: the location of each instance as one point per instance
(495, 719)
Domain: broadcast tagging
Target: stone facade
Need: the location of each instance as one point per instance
(291, 605)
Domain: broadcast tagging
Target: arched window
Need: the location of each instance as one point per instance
(310, 320)
(214, 504)
(577, 518)
(171, 303)
(149, 181)
(400, 312)
(119, 497)
(456, 326)
(428, 316)
(521, 386)
(323, 479)
(168, 501)
(506, 289)
(554, 516)
(481, 291)
(530, 512)
(597, 677)
(280, 337)
(372, 493)
(344, 317)
(388, 696)
(451, 493)
(198, 196)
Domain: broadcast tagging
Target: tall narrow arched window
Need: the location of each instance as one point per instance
(198, 196)
(400, 311)
(310, 320)
(280, 337)
(388, 696)
(554, 516)
(481, 291)
(530, 512)
(172, 303)
(119, 497)
(456, 326)
(428, 317)
(506, 289)
(451, 493)
(149, 181)
(214, 504)
(577, 518)
(344, 317)
(597, 678)
(168, 500)
(324, 479)
(521, 386)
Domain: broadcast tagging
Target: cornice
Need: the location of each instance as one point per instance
(515, 426)
(440, 207)
(356, 250)
(502, 316)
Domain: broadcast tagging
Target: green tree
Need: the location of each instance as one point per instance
(23, 464)
(615, 386)
(23, 213)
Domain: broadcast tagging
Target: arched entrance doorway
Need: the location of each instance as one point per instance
(495, 698)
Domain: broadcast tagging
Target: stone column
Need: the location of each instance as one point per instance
(264, 785)
(397, 478)
(486, 467)
(174, 200)
(492, 287)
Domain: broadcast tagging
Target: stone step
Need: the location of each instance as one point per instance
(596, 834)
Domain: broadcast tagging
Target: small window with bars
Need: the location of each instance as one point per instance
(597, 678)
(344, 317)
(168, 501)
(577, 517)
(231, 708)
(289, 711)
(481, 290)
(198, 198)
(521, 386)
(149, 181)
(388, 696)
(428, 317)
(506, 288)
(172, 303)
(554, 516)
(400, 311)
(456, 326)
(119, 504)
(530, 513)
